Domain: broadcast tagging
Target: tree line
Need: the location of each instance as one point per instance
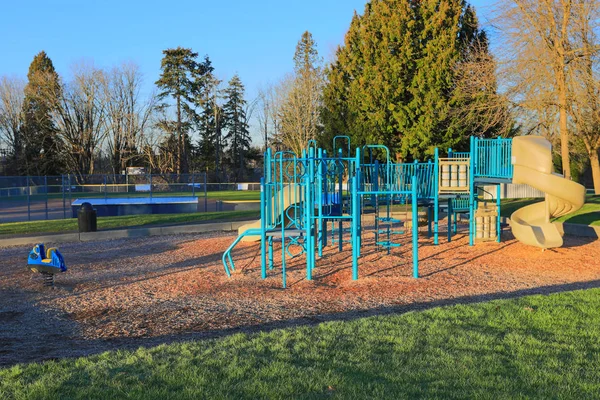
(100, 117)
(410, 74)
(415, 75)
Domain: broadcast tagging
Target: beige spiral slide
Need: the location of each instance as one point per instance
(532, 162)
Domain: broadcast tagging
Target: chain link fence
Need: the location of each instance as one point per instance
(31, 198)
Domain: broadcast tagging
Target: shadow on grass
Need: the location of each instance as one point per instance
(588, 218)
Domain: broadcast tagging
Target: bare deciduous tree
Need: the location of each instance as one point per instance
(483, 108)
(298, 103)
(11, 106)
(127, 114)
(540, 46)
(585, 85)
(267, 116)
(81, 118)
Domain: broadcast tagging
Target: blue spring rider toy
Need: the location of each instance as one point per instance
(46, 262)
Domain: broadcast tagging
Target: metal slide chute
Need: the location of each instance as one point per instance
(291, 196)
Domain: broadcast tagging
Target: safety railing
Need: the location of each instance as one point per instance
(397, 177)
(491, 158)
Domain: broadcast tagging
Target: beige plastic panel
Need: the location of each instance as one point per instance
(290, 195)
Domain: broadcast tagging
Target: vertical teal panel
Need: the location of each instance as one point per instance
(472, 168)
(320, 180)
(263, 230)
(449, 220)
(354, 228)
(436, 198)
(498, 194)
(415, 228)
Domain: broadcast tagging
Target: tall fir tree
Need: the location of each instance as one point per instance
(236, 124)
(306, 57)
(181, 80)
(392, 81)
(301, 95)
(41, 140)
(210, 123)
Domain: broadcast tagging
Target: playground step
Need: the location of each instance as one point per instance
(388, 244)
(387, 219)
(343, 230)
(287, 232)
(343, 241)
(391, 232)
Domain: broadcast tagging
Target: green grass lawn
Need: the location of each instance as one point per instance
(128, 221)
(589, 214)
(532, 347)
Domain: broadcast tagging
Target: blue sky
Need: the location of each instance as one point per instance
(255, 39)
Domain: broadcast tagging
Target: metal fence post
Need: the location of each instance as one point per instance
(105, 194)
(62, 189)
(193, 186)
(70, 191)
(28, 201)
(205, 195)
(46, 188)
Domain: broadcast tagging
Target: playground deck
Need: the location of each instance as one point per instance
(133, 292)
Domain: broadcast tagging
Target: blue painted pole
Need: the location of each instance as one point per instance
(320, 180)
(449, 220)
(429, 215)
(436, 198)
(280, 198)
(376, 189)
(472, 167)
(307, 227)
(310, 204)
(498, 194)
(263, 231)
(354, 229)
(358, 199)
(340, 191)
(455, 223)
(415, 228)
(325, 192)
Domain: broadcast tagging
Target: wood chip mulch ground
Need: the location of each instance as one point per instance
(145, 291)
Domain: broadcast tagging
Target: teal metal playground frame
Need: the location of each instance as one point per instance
(302, 195)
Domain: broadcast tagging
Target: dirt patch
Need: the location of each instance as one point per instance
(131, 292)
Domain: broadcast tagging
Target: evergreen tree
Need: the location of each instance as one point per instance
(236, 123)
(210, 122)
(301, 94)
(393, 79)
(181, 80)
(42, 144)
(306, 57)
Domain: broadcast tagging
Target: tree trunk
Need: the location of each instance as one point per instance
(595, 164)
(564, 145)
(561, 46)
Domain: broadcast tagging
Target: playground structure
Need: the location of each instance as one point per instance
(308, 200)
(47, 262)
